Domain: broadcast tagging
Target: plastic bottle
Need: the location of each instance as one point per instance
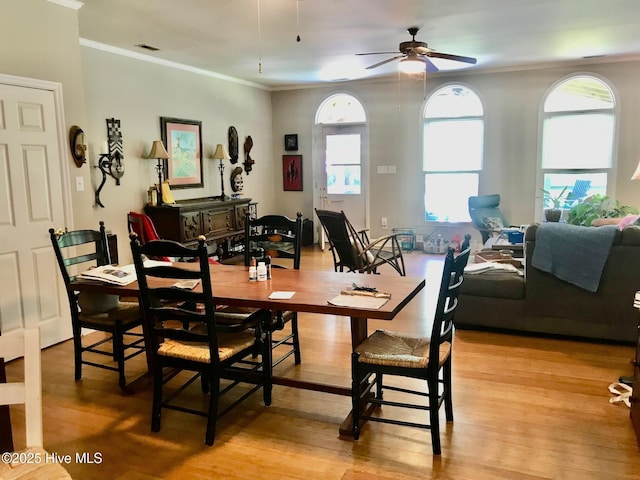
(267, 262)
(253, 273)
(262, 272)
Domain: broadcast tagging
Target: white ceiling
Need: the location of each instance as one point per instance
(225, 37)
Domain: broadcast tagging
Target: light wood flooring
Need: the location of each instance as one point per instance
(525, 408)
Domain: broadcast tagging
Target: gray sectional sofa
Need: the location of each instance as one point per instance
(539, 302)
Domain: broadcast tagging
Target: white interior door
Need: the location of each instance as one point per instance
(345, 172)
(31, 189)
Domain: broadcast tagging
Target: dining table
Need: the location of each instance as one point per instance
(313, 292)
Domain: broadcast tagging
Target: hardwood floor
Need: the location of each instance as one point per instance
(524, 408)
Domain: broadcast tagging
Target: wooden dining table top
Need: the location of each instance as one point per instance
(313, 290)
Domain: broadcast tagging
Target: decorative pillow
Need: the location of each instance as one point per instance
(493, 223)
(94, 303)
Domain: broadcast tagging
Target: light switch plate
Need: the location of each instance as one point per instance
(79, 184)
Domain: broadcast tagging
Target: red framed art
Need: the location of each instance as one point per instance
(292, 172)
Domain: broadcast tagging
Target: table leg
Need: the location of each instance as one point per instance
(359, 332)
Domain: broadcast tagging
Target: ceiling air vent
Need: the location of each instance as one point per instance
(147, 47)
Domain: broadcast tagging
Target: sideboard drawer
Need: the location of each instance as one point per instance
(190, 223)
(217, 222)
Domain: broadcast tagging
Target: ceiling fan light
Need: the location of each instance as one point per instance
(412, 65)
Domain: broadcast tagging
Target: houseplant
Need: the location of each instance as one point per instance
(598, 206)
(553, 203)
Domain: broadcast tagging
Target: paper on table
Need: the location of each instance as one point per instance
(281, 295)
(186, 284)
(358, 301)
(116, 274)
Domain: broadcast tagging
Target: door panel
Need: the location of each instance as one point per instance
(345, 172)
(32, 202)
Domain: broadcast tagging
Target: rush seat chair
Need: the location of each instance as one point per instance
(185, 335)
(386, 354)
(79, 250)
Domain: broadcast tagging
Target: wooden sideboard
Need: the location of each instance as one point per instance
(221, 222)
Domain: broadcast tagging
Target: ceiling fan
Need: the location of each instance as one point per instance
(415, 51)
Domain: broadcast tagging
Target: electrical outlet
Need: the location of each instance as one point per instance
(383, 223)
(79, 184)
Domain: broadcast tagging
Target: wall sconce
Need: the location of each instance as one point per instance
(160, 153)
(78, 145)
(220, 154)
(636, 174)
(110, 161)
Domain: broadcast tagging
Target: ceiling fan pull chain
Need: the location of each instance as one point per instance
(259, 41)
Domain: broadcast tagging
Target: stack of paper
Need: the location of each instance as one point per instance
(358, 301)
(118, 275)
(112, 274)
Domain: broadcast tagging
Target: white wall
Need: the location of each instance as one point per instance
(512, 103)
(44, 44)
(138, 93)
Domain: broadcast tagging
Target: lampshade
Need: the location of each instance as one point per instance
(158, 150)
(220, 153)
(412, 64)
(636, 174)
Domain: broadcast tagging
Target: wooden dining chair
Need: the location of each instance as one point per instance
(387, 354)
(80, 250)
(30, 462)
(279, 237)
(185, 335)
(354, 251)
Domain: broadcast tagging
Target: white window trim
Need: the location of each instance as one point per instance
(542, 115)
(422, 172)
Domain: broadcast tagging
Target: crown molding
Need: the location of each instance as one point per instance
(68, 3)
(167, 63)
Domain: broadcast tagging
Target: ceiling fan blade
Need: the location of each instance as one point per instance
(448, 56)
(377, 53)
(431, 68)
(383, 62)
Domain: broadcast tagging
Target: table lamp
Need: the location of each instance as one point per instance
(159, 152)
(220, 154)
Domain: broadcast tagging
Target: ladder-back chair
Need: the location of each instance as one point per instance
(80, 250)
(386, 354)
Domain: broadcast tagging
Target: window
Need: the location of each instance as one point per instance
(343, 145)
(453, 152)
(340, 108)
(342, 165)
(578, 134)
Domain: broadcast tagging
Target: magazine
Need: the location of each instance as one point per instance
(117, 274)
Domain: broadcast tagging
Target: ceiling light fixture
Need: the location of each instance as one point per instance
(412, 64)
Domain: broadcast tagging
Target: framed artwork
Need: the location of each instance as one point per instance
(183, 141)
(292, 172)
(291, 142)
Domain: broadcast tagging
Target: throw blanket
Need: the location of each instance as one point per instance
(572, 253)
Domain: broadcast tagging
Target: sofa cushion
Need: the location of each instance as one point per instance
(495, 285)
(629, 236)
(493, 223)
